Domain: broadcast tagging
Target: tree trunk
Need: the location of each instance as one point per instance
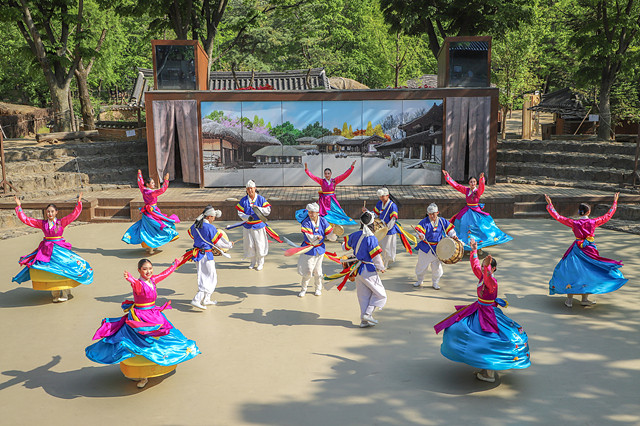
(86, 109)
(61, 109)
(604, 105)
(504, 122)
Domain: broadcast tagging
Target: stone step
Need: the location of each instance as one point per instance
(617, 161)
(79, 149)
(9, 219)
(114, 202)
(530, 207)
(605, 148)
(629, 212)
(59, 182)
(35, 167)
(566, 183)
(630, 226)
(121, 175)
(567, 172)
(112, 211)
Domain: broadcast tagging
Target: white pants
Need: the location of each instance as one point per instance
(207, 279)
(255, 244)
(388, 246)
(370, 291)
(426, 259)
(310, 266)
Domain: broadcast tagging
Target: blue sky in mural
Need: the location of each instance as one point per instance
(270, 112)
(336, 113)
(230, 108)
(302, 113)
(413, 106)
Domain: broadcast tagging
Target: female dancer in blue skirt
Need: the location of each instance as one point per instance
(582, 270)
(479, 334)
(143, 330)
(472, 221)
(54, 254)
(154, 229)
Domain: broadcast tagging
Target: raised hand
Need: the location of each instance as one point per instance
(80, 196)
(166, 176)
(481, 175)
(17, 200)
(473, 244)
(306, 166)
(445, 173)
(615, 197)
(126, 275)
(548, 199)
(353, 164)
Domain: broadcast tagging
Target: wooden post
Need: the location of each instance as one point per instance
(635, 167)
(4, 183)
(526, 117)
(559, 125)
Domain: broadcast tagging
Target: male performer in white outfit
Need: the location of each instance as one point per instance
(205, 238)
(387, 211)
(369, 288)
(315, 230)
(430, 231)
(254, 234)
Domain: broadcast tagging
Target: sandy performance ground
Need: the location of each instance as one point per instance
(271, 358)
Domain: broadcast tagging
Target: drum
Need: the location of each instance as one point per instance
(379, 229)
(337, 229)
(449, 250)
(140, 367)
(48, 281)
(215, 250)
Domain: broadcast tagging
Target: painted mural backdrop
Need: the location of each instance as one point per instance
(392, 142)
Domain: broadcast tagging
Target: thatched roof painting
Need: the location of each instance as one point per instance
(214, 130)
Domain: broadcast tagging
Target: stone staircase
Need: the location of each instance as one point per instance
(38, 172)
(582, 164)
(606, 166)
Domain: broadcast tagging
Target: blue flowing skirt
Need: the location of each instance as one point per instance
(170, 349)
(466, 342)
(148, 230)
(334, 215)
(63, 262)
(482, 228)
(580, 274)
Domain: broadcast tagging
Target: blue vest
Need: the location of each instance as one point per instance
(244, 206)
(368, 249)
(324, 228)
(387, 214)
(433, 235)
(204, 238)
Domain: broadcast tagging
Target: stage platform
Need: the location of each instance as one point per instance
(503, 201)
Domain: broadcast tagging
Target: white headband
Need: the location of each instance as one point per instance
(313, 207)
(210, 212)
(383, 191)
(433, 208)
(251, 184)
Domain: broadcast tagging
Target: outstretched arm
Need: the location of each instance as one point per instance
(473, 257)
(554, 214)
(316, 179)
(164, 187)
(345, 174)
(140, 181)
(29, 221)
(481, 183)
(164, 274)
(74, 214)
(604, 219)
(135, 284)
(460, 188)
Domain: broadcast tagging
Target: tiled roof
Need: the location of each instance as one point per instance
(311, 78)
(564, 102)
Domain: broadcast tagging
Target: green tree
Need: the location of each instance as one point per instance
(606, 35)
(443, 18)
